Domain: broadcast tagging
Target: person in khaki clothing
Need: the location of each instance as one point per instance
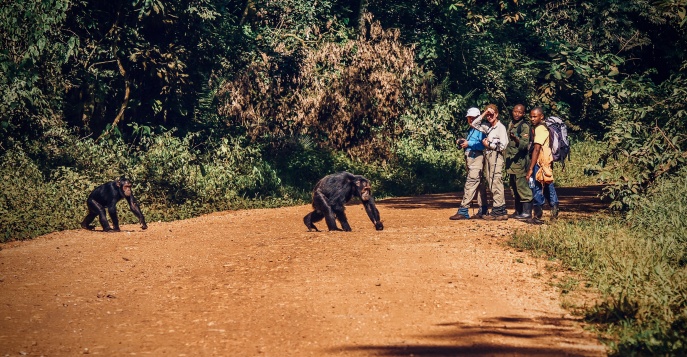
(495, 144)
(517, 163)
(474, 159)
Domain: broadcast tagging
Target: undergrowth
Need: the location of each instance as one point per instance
(173, 178)
(638, 263)
(580, 169)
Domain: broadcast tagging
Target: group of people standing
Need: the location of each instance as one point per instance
(523, 148)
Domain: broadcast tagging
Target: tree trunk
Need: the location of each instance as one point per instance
(358, 8)
(125, 102)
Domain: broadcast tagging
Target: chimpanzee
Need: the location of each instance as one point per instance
(105, 197)
(330, 195)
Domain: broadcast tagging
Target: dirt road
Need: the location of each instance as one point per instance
(256, 283)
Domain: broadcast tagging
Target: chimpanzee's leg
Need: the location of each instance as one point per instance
(320, 204)
(341, 216)
(310, 218)
(113, 215)
(86, 223)
(97, 207)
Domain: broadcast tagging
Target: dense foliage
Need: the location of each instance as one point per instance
(218, 104)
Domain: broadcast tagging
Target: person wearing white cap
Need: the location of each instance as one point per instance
(475, 163)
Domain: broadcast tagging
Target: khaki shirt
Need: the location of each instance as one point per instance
(517, 156)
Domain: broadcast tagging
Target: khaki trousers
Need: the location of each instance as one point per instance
(493, 171)
(473, 183)
(521, 190)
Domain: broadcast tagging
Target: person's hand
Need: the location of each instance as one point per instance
(529, 174)
(485, 142)
(464, 144)
(511, 135)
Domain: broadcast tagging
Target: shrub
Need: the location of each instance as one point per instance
(172, 180)
(346, 95)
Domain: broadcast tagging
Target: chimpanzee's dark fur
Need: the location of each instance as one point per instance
(331, 194)
(104, 199)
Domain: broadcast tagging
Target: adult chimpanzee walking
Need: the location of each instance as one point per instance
(105, 197)
(331, 194)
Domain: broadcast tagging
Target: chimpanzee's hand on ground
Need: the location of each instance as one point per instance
(379, 226)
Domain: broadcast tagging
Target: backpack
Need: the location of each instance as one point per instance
(558, 139)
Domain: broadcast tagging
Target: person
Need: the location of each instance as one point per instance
(494, 145)
(474, 159)
(541, 168)
(517, 163)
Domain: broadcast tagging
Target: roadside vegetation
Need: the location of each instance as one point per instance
(637, 263)
(212, 105)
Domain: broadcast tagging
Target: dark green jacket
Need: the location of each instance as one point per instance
(517, 158)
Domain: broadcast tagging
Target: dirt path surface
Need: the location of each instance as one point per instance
(256, 283)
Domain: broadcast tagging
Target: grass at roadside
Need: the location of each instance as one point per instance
(579, 169)
(637, 263)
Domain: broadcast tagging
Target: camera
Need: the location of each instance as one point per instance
(461, 141)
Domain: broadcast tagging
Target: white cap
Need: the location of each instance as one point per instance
(473, 112)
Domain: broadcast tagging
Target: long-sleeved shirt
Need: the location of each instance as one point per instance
(474, 141)
(497, 135)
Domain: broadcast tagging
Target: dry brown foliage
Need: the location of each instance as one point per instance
(346, 96)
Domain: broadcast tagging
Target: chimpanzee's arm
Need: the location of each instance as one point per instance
(373, 213)
(137, 211)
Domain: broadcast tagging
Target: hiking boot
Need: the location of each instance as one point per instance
(461, 214)
(554, 212)
(481, 213)
(526, 212)
(536, 215)
(518, 210)
(501, 217)
(497, 217)
(498, 214)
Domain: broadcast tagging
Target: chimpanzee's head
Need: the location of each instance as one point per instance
(363, 189)
(125, 185)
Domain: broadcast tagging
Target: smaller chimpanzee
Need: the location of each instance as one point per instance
(105, 197)
(331, 194)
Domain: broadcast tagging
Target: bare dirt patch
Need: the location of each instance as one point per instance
(255, 282)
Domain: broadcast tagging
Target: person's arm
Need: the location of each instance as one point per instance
(477, 124)
(498, 138)
(535, 156)
(524, 140)
(474, 141)
(512, 136)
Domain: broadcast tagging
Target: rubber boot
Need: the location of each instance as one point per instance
(554, 212)
(536, 215)
(461, 214)
(518, 209)
(526, 212)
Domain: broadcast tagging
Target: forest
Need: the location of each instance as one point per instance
(209, 105)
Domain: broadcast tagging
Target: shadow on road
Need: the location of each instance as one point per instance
(510, 336)
(584, 199)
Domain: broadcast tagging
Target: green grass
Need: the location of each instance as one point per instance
(638, 265)
(580, 169)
